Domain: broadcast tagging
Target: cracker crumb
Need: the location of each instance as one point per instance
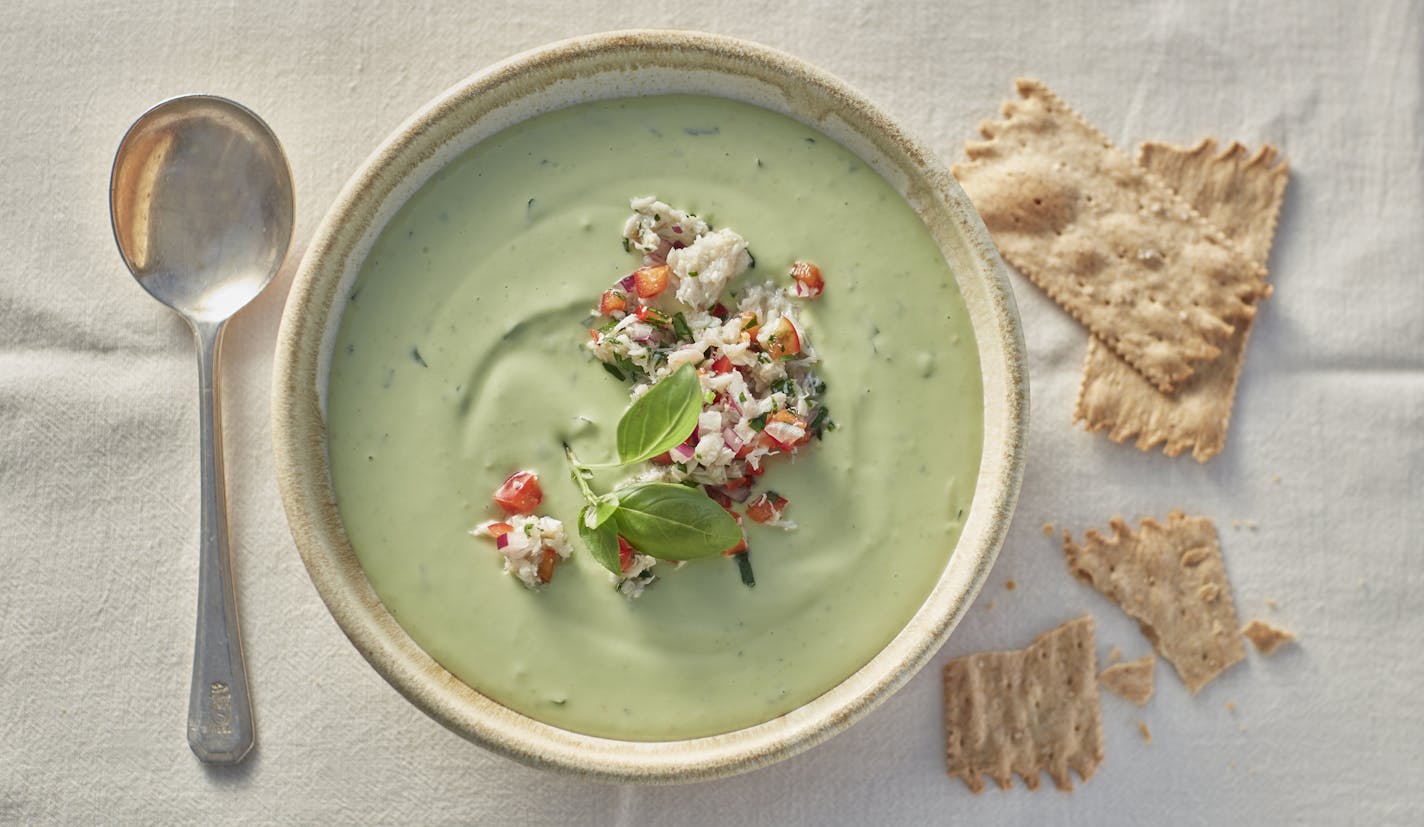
(1231, 707)
(1131, 680)
(1114, 655)
(1025, 711)
(1272, 604)
(1010, 585)
(1048, 529)
(1146, 733)
(1265, 637)
(989, 607)
(1276, 478)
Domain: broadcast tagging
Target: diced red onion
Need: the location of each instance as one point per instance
(729, 436)
(627, 281)
(740, 494)
(501, 541)
(683, 453)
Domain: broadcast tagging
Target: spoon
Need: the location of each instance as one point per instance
(201, 202)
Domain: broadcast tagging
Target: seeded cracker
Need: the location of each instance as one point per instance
(1131, 680)
(1265, 637)
(1026, 711)
(1170, 579)
(1241, 193)
(1109, 242)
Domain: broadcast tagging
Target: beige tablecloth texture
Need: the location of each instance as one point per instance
(98, 424)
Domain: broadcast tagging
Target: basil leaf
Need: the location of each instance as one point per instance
(602, 542)
(603, 508)
(673, 522)
(662, 418)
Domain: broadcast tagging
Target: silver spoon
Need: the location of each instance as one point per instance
(201, 201)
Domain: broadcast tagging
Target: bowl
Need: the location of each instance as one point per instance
(607, 66)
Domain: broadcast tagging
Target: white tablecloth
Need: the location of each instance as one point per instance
(98, 424)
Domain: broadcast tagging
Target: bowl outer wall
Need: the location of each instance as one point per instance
(562, 74)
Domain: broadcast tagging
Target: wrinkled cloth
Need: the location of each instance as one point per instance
(1316, 495)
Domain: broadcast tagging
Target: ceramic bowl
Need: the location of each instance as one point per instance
(617, 65)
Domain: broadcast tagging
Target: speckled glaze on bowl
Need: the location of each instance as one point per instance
(605, 66)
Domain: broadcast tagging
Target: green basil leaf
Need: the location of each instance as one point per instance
(662, 418)
(602, 542)
(603, 508)
(674, 522)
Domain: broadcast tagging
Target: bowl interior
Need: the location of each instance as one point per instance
(610, 66)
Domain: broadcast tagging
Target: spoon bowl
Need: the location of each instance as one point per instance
(202, 207)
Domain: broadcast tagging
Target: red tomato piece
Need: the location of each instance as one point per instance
(612, 302)
(809, 282)
(766, 508)
(547, 562)
(722, 365)
(625, 554)
(520, 493)
(780, 340)
(650, 281)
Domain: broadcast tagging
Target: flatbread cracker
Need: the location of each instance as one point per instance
(1241, 193)
(1108, 241)
(1265, 637)
(1131, 680)
(1171, 580)
(1026, 711)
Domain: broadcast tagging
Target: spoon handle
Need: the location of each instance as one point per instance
(220, 727)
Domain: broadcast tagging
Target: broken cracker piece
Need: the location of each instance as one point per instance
(1127, 257)
(1241, 193)
(1025, 711)
(1265, 637)
(1170, 579)
(1131, 680)
(1146, 733)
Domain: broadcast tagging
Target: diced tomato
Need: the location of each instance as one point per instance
(665, 458)
(809, 283)
(612, 302)
(722, 365)
(547, 562)
(737, 482)
(520, 494)
(719, 311)
(741, 545)
(625, 554)
(594, 335)
(498, 530)
(650, 281)
(766, 508)
(778, 435)
(780, 340)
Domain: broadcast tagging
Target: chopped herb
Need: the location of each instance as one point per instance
(692, 274)
(529, 529)
(820, 420)
(708, 397)
(758, 423)
(818, 386)
(751, 323)
(529, 206)
(741, 397)
(657, 217)
(679, 326)
(784, 385)
(744, 565)
(627, 247)
(759, 163)
(420, 360)
(810, 140)
(701, 130)
(617, 374)
(751, 266)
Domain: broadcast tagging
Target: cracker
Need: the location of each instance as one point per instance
(1265, 637)
(1108, 241)
(1241, 193)
(1171, 580)
(1026, 711)
(1131, 680)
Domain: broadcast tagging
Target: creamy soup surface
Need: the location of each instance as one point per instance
(460, 358)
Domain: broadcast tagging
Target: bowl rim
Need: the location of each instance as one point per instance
(312, 312)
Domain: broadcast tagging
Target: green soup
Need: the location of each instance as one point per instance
(460, 359)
